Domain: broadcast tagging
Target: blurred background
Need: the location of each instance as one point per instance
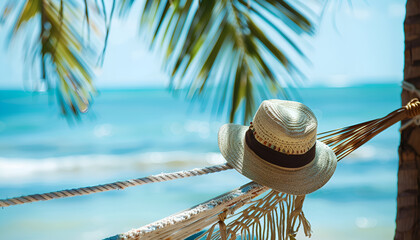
(136, 126)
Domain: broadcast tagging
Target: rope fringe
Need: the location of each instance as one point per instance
(264, 218)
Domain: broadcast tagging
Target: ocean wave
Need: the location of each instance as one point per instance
(25, 168)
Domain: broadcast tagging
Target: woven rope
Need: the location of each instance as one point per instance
(416, 119)
(112, 186)
(413, 108)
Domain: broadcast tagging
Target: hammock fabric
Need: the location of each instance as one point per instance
(188, 222)
(276, 215)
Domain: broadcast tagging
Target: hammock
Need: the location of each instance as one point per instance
(275, 215)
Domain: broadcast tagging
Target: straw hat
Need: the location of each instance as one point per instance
(279, 149)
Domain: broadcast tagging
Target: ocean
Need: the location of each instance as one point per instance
(134, 133)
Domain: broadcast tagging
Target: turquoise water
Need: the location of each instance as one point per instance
(133, 133)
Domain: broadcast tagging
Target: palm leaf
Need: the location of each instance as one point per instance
(202, 38)
(66, 59)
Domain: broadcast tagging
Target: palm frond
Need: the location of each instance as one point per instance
(65, 57)
(204, 41)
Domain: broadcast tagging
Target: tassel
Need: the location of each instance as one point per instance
(222, 230)
(298, 216)
(275, 216)
(222, 225)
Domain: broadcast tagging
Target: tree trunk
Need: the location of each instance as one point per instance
(408, 200)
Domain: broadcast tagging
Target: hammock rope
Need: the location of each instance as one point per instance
(416, 119)
(113, 186)
(343, 141)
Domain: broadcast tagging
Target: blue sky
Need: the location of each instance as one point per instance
(366, 45)
(357, 44)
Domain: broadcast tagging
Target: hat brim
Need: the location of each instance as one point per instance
(296, 181)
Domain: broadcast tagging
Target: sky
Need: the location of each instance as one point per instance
(361, 43)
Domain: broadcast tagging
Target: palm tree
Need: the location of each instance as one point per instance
(408, 209)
